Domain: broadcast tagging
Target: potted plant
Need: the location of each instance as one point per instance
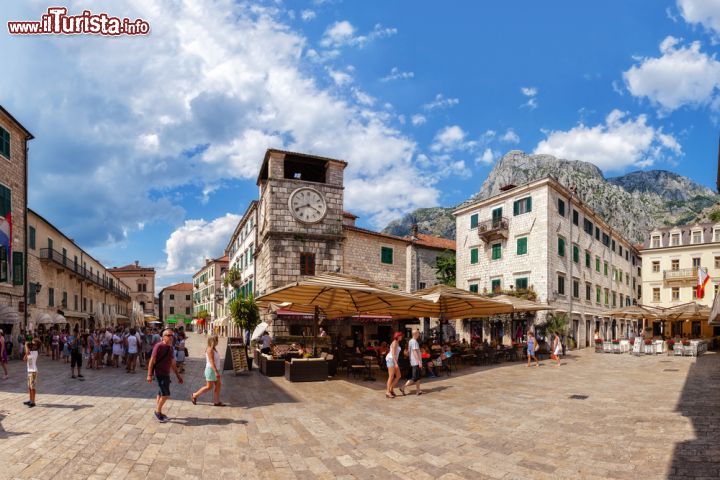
(686, 343)
(671, 344)
(246, 315)
(648, 341)
(632, 341)
(616, 342)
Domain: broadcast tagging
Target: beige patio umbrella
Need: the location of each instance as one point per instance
(454, 303)
(338, 295)
(688, 311)
(634, 311)
(521, 304)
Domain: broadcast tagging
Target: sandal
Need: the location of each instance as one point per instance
(219, 404)
(387, 395)
(193, 399)
(402, 390)
(420, 393)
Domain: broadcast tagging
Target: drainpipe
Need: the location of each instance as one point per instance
(570, 260)
(25, 221)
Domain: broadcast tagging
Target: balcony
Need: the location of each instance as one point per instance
(493, 229)
(682, 275)
(61, 262)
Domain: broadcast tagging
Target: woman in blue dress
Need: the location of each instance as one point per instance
(531, 347)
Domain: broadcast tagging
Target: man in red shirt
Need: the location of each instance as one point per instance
(161, 361)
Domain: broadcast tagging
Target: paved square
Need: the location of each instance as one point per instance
(647, 417)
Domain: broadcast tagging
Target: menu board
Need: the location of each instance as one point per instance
(236, 358)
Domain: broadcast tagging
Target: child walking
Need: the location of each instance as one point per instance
(31, 355)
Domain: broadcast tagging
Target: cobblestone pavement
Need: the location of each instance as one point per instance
(647, 417)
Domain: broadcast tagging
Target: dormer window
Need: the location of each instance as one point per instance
(674, 239)
(697, 237)
(716, 235)
(655, 241)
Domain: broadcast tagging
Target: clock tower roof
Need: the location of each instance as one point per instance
(264, 173)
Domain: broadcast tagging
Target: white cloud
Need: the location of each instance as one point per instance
(488, 157)
(441, 102)
(307, 15)
(510, 136)
(342, 33)
(340, 78)
(396, 74)
(194, 241)
(230, 72)
(703, 12)
(531, 93)
(363, 98)
(682, 75)
(451, 138)
(418, 119)
(619, 143)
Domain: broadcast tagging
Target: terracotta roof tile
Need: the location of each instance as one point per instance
(180, 286)
(435, 242)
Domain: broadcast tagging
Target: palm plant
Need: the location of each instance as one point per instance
(557, 324)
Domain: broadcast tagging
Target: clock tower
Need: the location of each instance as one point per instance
(299, 218)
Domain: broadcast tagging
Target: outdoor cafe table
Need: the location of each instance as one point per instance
(368, 366)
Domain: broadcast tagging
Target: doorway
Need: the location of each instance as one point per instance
(587, 333)
(357, 333)
(384, 333)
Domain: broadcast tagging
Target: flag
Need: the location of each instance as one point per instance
(703, 280)
(6, 240)
(715, 312)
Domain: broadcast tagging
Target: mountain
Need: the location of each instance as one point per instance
(632, 204)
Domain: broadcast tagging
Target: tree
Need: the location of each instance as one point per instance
(445, 268)
(557, 324)
(245, 314)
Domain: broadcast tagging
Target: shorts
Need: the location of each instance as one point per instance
(180, 356)
(553, 357)
(390, 362)
(75, 359)
(163, 382)
(210, 375)
(97, 349)
(416, 373)
(531, 352)
(32, 380)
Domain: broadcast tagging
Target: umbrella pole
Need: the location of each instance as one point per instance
(316, 322)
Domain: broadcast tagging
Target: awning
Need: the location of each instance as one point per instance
(44, 319)
(171, 321)
(292, 315)
(76, 314)
(9, 314)
(367, 318)
(220, 322)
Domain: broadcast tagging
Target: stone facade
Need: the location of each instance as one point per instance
(175, 301)
(65, 281)
(13, 186)
(207, 287)
(363, 257)
(670, 260)
(141, 281)
(567, 282)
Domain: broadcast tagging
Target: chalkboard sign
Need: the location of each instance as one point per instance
(236, 358)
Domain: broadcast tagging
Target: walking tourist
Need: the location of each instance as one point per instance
(30, 358)
(180, 351)
(213, 375)
(391, 360)
(75, 346)
(415, 363)
(531, 347)
(160, 364)
(132, 343)
(557, 349)
(117, 348)
(3, 355)
(55, 345)
(65, 347)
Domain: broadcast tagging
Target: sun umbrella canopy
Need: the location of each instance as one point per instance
(521, 304)
(339, 295)
(259, 330)
(634, 311)
(9, 314)
(688, 311)
(450, 302)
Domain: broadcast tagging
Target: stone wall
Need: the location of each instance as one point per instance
(362, 258)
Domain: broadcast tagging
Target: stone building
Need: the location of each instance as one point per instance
(540, 236)
(671, 258)
(13, 220)
(67, 285)
(207, 288)
(303, 230)
(175, 304)
(241, 268)
(141, 281)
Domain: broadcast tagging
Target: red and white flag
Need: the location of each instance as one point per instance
(703, 280)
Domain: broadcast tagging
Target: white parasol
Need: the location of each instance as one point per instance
(259, 330)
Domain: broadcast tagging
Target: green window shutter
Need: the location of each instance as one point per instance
(606, 269)
(474, 288)
(528, 204)
(5, 200)
(386, 255)
(522, 246)
(497, 251)
(4, 143)
(561, 246)
(473, 256)
(31, 294)
(516, 208)
(521, 283)
(495, 286)
(587, 259)
(474, 220)
(31, 238)
(576, 254)
(18, 270)
(3, 264)
(597, 264)
(597, 294)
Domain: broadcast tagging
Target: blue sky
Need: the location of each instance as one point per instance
(147, 148)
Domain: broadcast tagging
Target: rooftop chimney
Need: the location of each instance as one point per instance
(507, 187)
(414, 231)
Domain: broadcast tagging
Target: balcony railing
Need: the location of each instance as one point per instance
(60, 260)
(682, 275)
(493, 229)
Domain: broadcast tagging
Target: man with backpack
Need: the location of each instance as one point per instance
(160, 364)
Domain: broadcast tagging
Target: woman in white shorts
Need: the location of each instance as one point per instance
(213, 373)
(391, 360)
(557, 349)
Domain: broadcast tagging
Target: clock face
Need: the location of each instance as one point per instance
(307, 205)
